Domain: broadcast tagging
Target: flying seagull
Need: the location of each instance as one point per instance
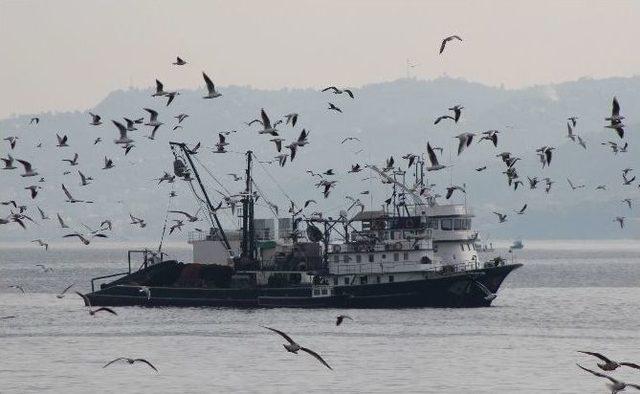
(620, 220)
(74, 161)
(615, 385)
(446, 40)
(41, 243)
(453, 188)
(211, 89)
(28, 169)
(293, 347)
(95, 119)
(609, 365)
(123, 134)
(179, 62)
(433, 159)
(62, 141)
(92, 312)
(190, 218)
(108, 163)
(63, 292)
(8, 163)
(521, 211)
(340, 319)
(267, 128)
(131, 361)
(334, 108)
(292, 118)
(464, 140)
(457, 111)
(17, 287)
(501, 217)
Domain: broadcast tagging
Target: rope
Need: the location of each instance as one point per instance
(166, 219)
(273, 179)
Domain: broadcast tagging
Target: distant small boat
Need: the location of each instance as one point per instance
(517, 244)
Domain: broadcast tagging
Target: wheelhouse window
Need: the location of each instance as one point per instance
(445, 224)
(377, 279)
(432, 224)
(335, 281)
(458, 224)
(358, 258)
(406, 256)
(363, 280)
(371, 258)
(391, 278)
(346, 280)
(396, 257)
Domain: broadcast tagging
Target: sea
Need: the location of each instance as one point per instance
(568, 296)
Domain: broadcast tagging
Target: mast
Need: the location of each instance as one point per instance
(212, 211)
(248, 236)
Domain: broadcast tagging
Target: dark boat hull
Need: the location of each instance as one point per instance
(463, 290)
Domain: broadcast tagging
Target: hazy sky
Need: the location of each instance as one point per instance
(65, 55)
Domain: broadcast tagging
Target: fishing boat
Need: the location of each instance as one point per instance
(517, 244)
(413, 252)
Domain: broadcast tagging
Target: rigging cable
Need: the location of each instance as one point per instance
(166, 219)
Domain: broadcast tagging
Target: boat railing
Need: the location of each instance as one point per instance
(400, 266)
(149, 258)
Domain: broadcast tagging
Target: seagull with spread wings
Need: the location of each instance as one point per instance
(293, 347)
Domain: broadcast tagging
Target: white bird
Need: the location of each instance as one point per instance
(616, 385)
(62, 223)
(92, 312)
(42, 214)
(153, 118)
(179, 62)
(211, 88)
(502, 217)
(74, 161)
(62, 141)
(28, 169)
(64, 292)
(70, 197)
(123, 139)
(267, 128)
(8, 163)
(41, 243)
(446, 40)
(159, 89)
(464, 140)
(34, 190)
(292, 118)
(95, 119)
(146, 290)
(190, 218)
(131, 361)
(433, 159)
(609, 365)
(293, 347)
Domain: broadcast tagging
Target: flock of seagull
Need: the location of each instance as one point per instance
(286, 151)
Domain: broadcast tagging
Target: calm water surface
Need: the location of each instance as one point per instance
(562, 300)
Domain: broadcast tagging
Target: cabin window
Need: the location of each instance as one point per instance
(336, 258)
(445, 224)
(458, 224)
(393, 235)
(433, 224)
(371, 258)
(396, 257)
(391, 278)
(346, 280)
(358, 258)
(377, 279)
(335, 281)
(406, 255)
(384, 256)
(324, 291)
(316, 291)
(363, 280)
